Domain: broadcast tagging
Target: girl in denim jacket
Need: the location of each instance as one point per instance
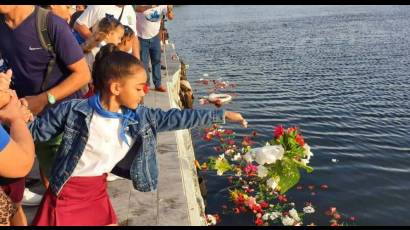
(101, 131)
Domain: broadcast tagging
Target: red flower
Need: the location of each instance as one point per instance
(236, 210)
(291, 129)
(337, 216)
(228, 132)
(299, 140)
(282, 198)
(259, 221)
(208, 137)
(247, 141)
(279, 131)
(352, 218)
(324, 187)
(264, 204)
(231, 142)
(256, 209)
(254, 133)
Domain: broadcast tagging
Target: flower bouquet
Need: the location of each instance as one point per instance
(261, 176)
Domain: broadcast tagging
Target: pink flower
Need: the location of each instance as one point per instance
(250, 169)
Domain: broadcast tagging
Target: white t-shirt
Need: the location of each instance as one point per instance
(149, 22)
(94, 13)
(104, 148)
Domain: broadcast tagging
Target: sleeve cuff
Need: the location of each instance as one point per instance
(218, 116)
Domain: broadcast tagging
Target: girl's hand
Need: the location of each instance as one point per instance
(236, 117)
(14, 111)
(5, 79)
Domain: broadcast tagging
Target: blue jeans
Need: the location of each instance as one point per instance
(152, 48)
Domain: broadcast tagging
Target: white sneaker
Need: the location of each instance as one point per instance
(30, 198)
(112, 177)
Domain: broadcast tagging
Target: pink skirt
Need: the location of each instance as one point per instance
(83, 201)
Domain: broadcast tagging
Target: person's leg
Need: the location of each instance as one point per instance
(19, 219)
(144, 54)
(15, 191)
(155, 54)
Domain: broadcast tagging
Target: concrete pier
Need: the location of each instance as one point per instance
(178, 200)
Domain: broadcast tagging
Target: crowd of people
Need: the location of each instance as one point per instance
(72, 82)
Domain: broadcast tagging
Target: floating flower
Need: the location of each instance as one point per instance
(287, 221)
(299, 140)
(268, 154)
(294, 214)
(274, 215)
(262, 171)
(259, 222)
(278, 132)
(248, 157)
(271, 183)
(250, 169)
(211, 219)
(237, 157)
(308, 209)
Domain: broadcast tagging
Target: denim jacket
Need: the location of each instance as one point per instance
(73, 118)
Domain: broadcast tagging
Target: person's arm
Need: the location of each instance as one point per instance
(175, 119)
(86, 21)
(17, 156)
(142, 8)
(83, 30)
(136, 47)
(70, 54)
(79, 77)
(170, 12)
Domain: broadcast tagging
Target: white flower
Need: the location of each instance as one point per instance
(211, 219)
(308, 209)
(222, 156)
(219, 172)
(238, 174)
(305, 161)
(271, 183)
(275, 215)
(229, 151)
(248, 157)
(294, 214)
(237, 157)
(267, 144)
(307, 151)
(268, 154)
(287, 221)
(262, 171)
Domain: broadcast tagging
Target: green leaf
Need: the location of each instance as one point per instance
(301, 165)
(289, 175)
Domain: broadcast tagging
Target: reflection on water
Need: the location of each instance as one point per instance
(340, 73)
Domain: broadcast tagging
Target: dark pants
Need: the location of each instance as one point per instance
(152, 48)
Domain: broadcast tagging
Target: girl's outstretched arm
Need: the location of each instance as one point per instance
(175, 119)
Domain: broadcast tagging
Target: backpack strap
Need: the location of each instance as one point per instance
(45, 41)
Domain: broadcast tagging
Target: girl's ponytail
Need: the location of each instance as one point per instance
(100, 65)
